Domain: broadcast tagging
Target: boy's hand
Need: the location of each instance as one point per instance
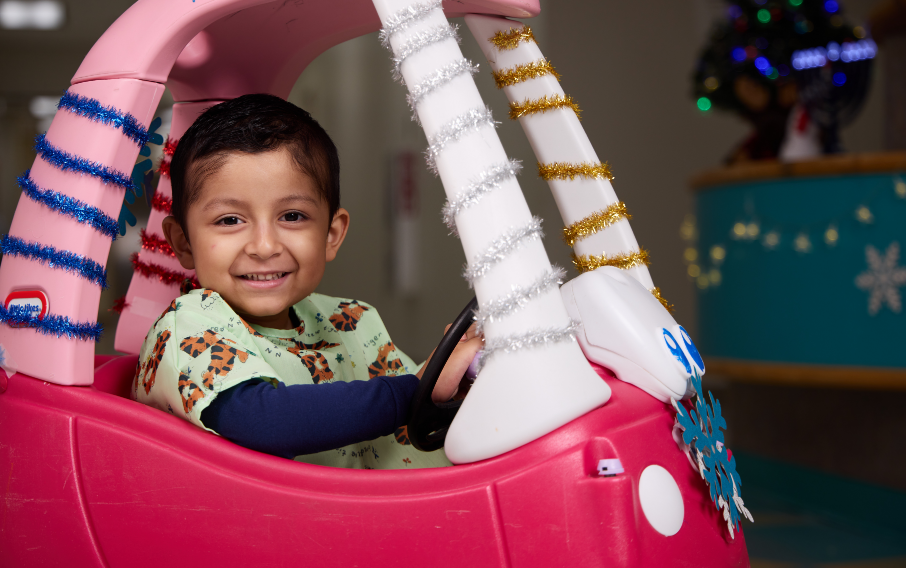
(457, 364)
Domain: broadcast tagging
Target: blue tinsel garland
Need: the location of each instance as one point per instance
(50, 324)
(62, 259)
(92, 109)
(67, 162)
(65, 205)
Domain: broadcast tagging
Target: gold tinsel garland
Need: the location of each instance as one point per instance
(563, 170)
(657, 294)
(520, 73)
(544, 104)
(510, 39)
(587, 263)
(595, 222)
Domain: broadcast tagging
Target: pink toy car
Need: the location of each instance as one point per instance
(91, 478)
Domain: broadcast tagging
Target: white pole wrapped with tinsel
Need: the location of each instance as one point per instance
(625, 328)
(597, 225)
(516, 398)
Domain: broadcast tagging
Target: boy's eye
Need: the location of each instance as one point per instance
(229, 221)
(293, 216)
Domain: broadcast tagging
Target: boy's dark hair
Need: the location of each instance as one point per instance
(252, 124)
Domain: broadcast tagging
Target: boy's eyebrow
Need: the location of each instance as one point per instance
(230, 202)
(299, 197)
(225, 201)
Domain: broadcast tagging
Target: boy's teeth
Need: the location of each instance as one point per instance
(264, 277)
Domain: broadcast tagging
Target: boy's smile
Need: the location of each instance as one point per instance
(259, 234)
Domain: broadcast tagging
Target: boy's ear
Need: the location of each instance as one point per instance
(178, 241)
(337, 232)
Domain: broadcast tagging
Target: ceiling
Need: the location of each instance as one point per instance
(38, 62)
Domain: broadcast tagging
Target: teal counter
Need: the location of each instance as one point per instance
(786, 288)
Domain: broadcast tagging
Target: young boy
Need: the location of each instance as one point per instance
(254, 355)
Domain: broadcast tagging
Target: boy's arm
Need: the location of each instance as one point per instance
(294, 420)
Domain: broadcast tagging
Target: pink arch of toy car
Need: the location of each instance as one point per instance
(91, 478)
(205, 51)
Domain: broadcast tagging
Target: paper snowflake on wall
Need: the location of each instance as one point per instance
(883, 278)
(702, 433)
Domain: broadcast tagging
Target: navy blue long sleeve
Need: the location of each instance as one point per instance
(294, 420)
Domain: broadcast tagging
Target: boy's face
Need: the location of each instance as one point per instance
(259, 234)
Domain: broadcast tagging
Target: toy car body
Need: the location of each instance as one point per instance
(95, 479)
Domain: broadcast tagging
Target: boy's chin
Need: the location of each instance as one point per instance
(265, 309)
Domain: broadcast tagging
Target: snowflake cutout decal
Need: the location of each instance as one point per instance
(142, 176)
(6, 362)
(701, 428)
(883, 278)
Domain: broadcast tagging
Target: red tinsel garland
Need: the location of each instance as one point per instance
(170, 146)
(154, 243)
(119, 305)
(165, 275)
(161, 203)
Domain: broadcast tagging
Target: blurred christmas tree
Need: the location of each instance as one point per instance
(753, 65)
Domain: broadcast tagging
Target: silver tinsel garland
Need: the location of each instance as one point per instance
(518, 298)
(488, 181)
(406, 17)
(436, 80)
(534, 338)
(501, 248)
(420, 41)
(454, 130)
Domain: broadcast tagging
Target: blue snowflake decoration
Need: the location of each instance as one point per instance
(142, 175)
(702, 432)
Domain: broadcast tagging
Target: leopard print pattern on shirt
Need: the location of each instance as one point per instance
(189, 392)
(402, 436)
(146, 373)
(349, 316)
(223, 355)
(316, 364)
(383, 366)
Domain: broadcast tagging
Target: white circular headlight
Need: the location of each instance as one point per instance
(661, 500)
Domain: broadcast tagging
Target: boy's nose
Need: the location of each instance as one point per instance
(265, 243)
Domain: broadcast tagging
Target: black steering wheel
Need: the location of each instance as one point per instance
(428, 421)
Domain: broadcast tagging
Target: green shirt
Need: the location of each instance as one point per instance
(200, 347)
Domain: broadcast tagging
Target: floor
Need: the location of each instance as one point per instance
(809, 519)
